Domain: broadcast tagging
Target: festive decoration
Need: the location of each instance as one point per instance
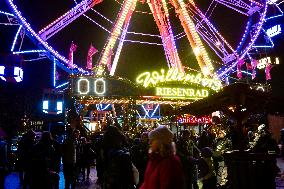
(92, 50)
(11, 68)
(267, 71)
(67, 18)
(196, 25)
(239, 68)
(148, 79)
(124, 15)
(192, 119)
(161, 17)
(73, 48)
(273, 31)
(27, 27)
(108, 65)
(52, 102)
(267, 60)
(186, 93)
(102, 87)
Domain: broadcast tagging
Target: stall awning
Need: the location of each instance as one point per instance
(237, 95)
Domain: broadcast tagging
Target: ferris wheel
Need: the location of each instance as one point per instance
(220, 32)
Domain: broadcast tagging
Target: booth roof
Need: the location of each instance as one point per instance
(235, 95)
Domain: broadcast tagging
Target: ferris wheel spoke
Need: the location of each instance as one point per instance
(215, 40)
(10, 19)
(215, 44)
(210, 34)
(120, 45)
(193, 37)
(242, 7)
(122, 20)
(67, 18)
(161, 17)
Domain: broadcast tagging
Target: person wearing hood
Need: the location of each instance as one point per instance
(164, 169)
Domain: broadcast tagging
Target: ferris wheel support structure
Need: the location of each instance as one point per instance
(119, 48)
(67, 18)
(202, 57)
(124, 14)
(197, 26)
(162, 20)
(211, 35)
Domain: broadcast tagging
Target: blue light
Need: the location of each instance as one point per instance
(54, 72)
(59, 86)
(18, 74)
(248, 73)
(2, 73)
(2, 70)
(138, 114)
(249, 57)
(3, 78)
(101, 107)
(273, 31)
(245, 35)
(265, 46)
(15, 38)
(45, 106)
(224, 70)
(227, 80)
(29, 51)
(59, 107)
(278, 15)
(146, 112)
(27, 26)
(6, 13)
(155, 110)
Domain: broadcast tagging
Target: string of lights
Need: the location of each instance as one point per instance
(16, 38)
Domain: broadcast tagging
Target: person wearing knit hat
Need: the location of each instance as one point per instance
(162, 134)
(164, 169)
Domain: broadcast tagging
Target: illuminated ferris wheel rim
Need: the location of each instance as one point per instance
(45, 45)
(243, 51)
(64, 60)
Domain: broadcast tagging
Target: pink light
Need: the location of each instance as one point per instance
(193, 119)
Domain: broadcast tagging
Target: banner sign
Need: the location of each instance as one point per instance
(177, 85)
(192, 119)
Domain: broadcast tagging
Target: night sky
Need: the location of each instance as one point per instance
(138, 57)
(135, 58)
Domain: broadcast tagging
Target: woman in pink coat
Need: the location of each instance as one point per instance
(164, 169)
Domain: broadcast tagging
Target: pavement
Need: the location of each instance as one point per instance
(12, 180)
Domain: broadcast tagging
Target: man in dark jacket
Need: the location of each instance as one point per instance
(69, 158)
(186, 150)
(118, 172)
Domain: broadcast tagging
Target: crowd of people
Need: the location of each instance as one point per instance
(154, 159)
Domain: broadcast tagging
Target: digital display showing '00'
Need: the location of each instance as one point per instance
(85, 86)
